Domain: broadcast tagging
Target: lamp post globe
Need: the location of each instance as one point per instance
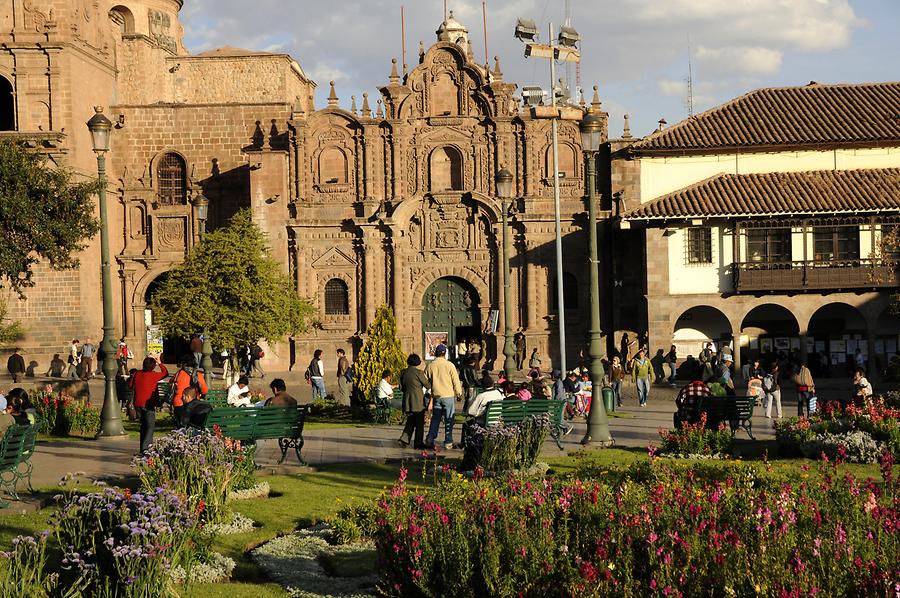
(598, 423)
(504, 183)
(110, 419)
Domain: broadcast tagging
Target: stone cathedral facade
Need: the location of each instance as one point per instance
(389, 199)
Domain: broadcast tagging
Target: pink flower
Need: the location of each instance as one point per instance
(522, 552)
(403, 473)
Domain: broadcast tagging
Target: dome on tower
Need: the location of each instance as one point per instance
(452, 30)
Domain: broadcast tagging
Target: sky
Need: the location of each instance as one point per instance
(636, 51)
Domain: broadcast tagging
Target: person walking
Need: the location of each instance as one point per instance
(474, 353)
(519, 340)
(616, 378)
(256, 354)
(723, 375)
(772, 387)
(625, 347)
(806, 390)
(707, 357)
(671, 361)
(146, 397)
(123, 354)
(462, 348)
(16, 366)
(197, 350)
(344, 377)
(446, 388)
(414, 384)
(642, 375)
(534, 363)
(87, 359)
(57, 367)
(74, 359)
(467, 377)
(315, 374)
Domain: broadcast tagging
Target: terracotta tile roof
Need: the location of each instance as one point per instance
(814, 114)
(779, 194)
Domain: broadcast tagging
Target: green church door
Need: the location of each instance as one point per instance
(449, 313)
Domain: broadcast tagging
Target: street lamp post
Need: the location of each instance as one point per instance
(504, 180)
(598, 424)
(202, 204)
(563, 49)
(110, 418)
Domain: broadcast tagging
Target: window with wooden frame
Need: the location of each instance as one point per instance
(171, 180)
(769, 245)
(699, 245)
(833, 243)
(337, 298)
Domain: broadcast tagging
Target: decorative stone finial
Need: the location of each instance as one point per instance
(497, 72)
(353, 105)
(332, 96)
(595, 101)
(626, 131)
(421, 52)
(395, 77)
(366, 111)
(378, 111)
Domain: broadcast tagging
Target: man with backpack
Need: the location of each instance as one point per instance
(315, 375)
(187, 376)
(344, 377)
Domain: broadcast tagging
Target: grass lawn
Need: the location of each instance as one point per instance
(309, 497)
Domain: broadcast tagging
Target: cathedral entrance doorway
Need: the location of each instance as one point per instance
(173, 347)
(450, 314)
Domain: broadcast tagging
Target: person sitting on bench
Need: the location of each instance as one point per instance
(195, 411)
(686, 402)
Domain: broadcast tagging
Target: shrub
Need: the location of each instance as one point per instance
(61, 415)
(505, 447)
(381, 351)
(676, 533)
(202, 467)
(353, 523)
(695, 439)
(855, 447)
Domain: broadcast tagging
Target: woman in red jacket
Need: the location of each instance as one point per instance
(146, 398)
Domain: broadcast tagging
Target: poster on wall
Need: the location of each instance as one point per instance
(890, 346)
(493, 322)
(754, 344)
(782, 343)
(432, 340)
(879, 346)
(820, 346)
(154, 341)
(811, 345)
(765, 345)
(839, 346)
(851, 346)
(795, 344)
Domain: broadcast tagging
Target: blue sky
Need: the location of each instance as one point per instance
(635, 50)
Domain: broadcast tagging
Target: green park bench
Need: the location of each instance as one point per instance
(736, 411)
(514, 411)
(16, 449)
(284, 424)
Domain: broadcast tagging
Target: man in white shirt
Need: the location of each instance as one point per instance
(385, 392)
(481, 400)
(239, 393)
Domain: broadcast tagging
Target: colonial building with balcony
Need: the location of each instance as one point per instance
(761, 223)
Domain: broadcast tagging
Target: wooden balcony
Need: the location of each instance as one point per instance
(761, 277)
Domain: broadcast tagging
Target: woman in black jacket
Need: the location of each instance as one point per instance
(414, 384)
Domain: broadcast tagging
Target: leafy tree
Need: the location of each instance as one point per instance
(232, 287)
(44, 215)
(381, 352)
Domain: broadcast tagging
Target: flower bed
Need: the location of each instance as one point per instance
(695, 440)
(112, 543)
(296, 562)
(61, 415)
(505, 447)
(665, 530)
(202, 466)
(856, 434)
(260, 490)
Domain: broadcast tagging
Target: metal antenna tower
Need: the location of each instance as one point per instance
(690, 81)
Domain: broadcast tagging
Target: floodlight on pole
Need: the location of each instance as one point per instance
(568, 37)
(526, 30)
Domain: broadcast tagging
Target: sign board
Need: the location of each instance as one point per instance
(154, 341)
(493, 322)
(432, 340)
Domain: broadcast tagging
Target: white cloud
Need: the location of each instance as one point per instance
(731, 60)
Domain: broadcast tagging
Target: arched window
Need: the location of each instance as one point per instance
(171, 180)
(122, 17)
(567, 162)
(570, 290)
(332, 166)
(446, 169)
(337, 298)
(7, 106)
